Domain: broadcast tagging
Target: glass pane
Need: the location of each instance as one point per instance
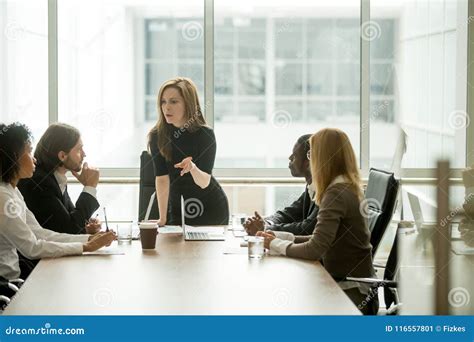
(381, 78)
(293, 108)
(320, 81)
(383, 48)
(156, 74)
(24, 64)
(417, 97)
(347, 48)
(254, 109)
(289, 78)
(251, 79)
(348, 76)
(161, 32)
(195, 72)
(224, 108)
(150, 110)
(223, 80)
(321, 39)
(190, 37)
(224, 50)
(288, 35)
(299, 61)
(113, 58)
(319, 111)
(251, 44)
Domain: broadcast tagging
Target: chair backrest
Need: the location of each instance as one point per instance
(147, 187)
(381, 196)
(5, 289)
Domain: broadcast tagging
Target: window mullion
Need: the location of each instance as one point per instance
(53, 60)
(364, 90)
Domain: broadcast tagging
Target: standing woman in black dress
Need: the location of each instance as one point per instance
(183, 149)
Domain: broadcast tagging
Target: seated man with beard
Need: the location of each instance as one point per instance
(58, 151)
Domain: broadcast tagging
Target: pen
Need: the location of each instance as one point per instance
(106, 223)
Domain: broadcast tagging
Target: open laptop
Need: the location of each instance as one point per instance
(415, 207)
(198, 233)
(420, 222)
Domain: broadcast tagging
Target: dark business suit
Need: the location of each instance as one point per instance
(52, 209)
(299, 218)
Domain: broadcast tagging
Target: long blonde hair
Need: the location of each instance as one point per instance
(193, 114)
(332, 155)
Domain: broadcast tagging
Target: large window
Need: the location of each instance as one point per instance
(281, 69)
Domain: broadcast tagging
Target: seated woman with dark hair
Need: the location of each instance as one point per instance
(19, 229)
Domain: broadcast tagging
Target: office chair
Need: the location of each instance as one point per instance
(147, 188)
(388, 283)
(8, 288)
(381, 196)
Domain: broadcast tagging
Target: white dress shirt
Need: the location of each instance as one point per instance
(20, 230)
(62, 182)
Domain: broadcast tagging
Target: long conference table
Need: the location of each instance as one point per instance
(180, 278)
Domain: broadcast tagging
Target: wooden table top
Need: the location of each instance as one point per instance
(180, 278)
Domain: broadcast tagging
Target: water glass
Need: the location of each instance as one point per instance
(124, 233)
(255, 245)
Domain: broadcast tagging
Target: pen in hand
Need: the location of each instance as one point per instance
(106, 223)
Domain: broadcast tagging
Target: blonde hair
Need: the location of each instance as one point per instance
(193, 115)
(332, 155)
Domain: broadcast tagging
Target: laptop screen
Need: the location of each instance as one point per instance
(416, 209)
(183, 224)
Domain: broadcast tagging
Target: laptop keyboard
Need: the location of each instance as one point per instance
(197, 235)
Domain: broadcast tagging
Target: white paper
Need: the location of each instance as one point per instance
(170, 230)
(108, 251)
(205, 229)
(235, 250)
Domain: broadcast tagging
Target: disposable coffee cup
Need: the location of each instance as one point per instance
(148, 233)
